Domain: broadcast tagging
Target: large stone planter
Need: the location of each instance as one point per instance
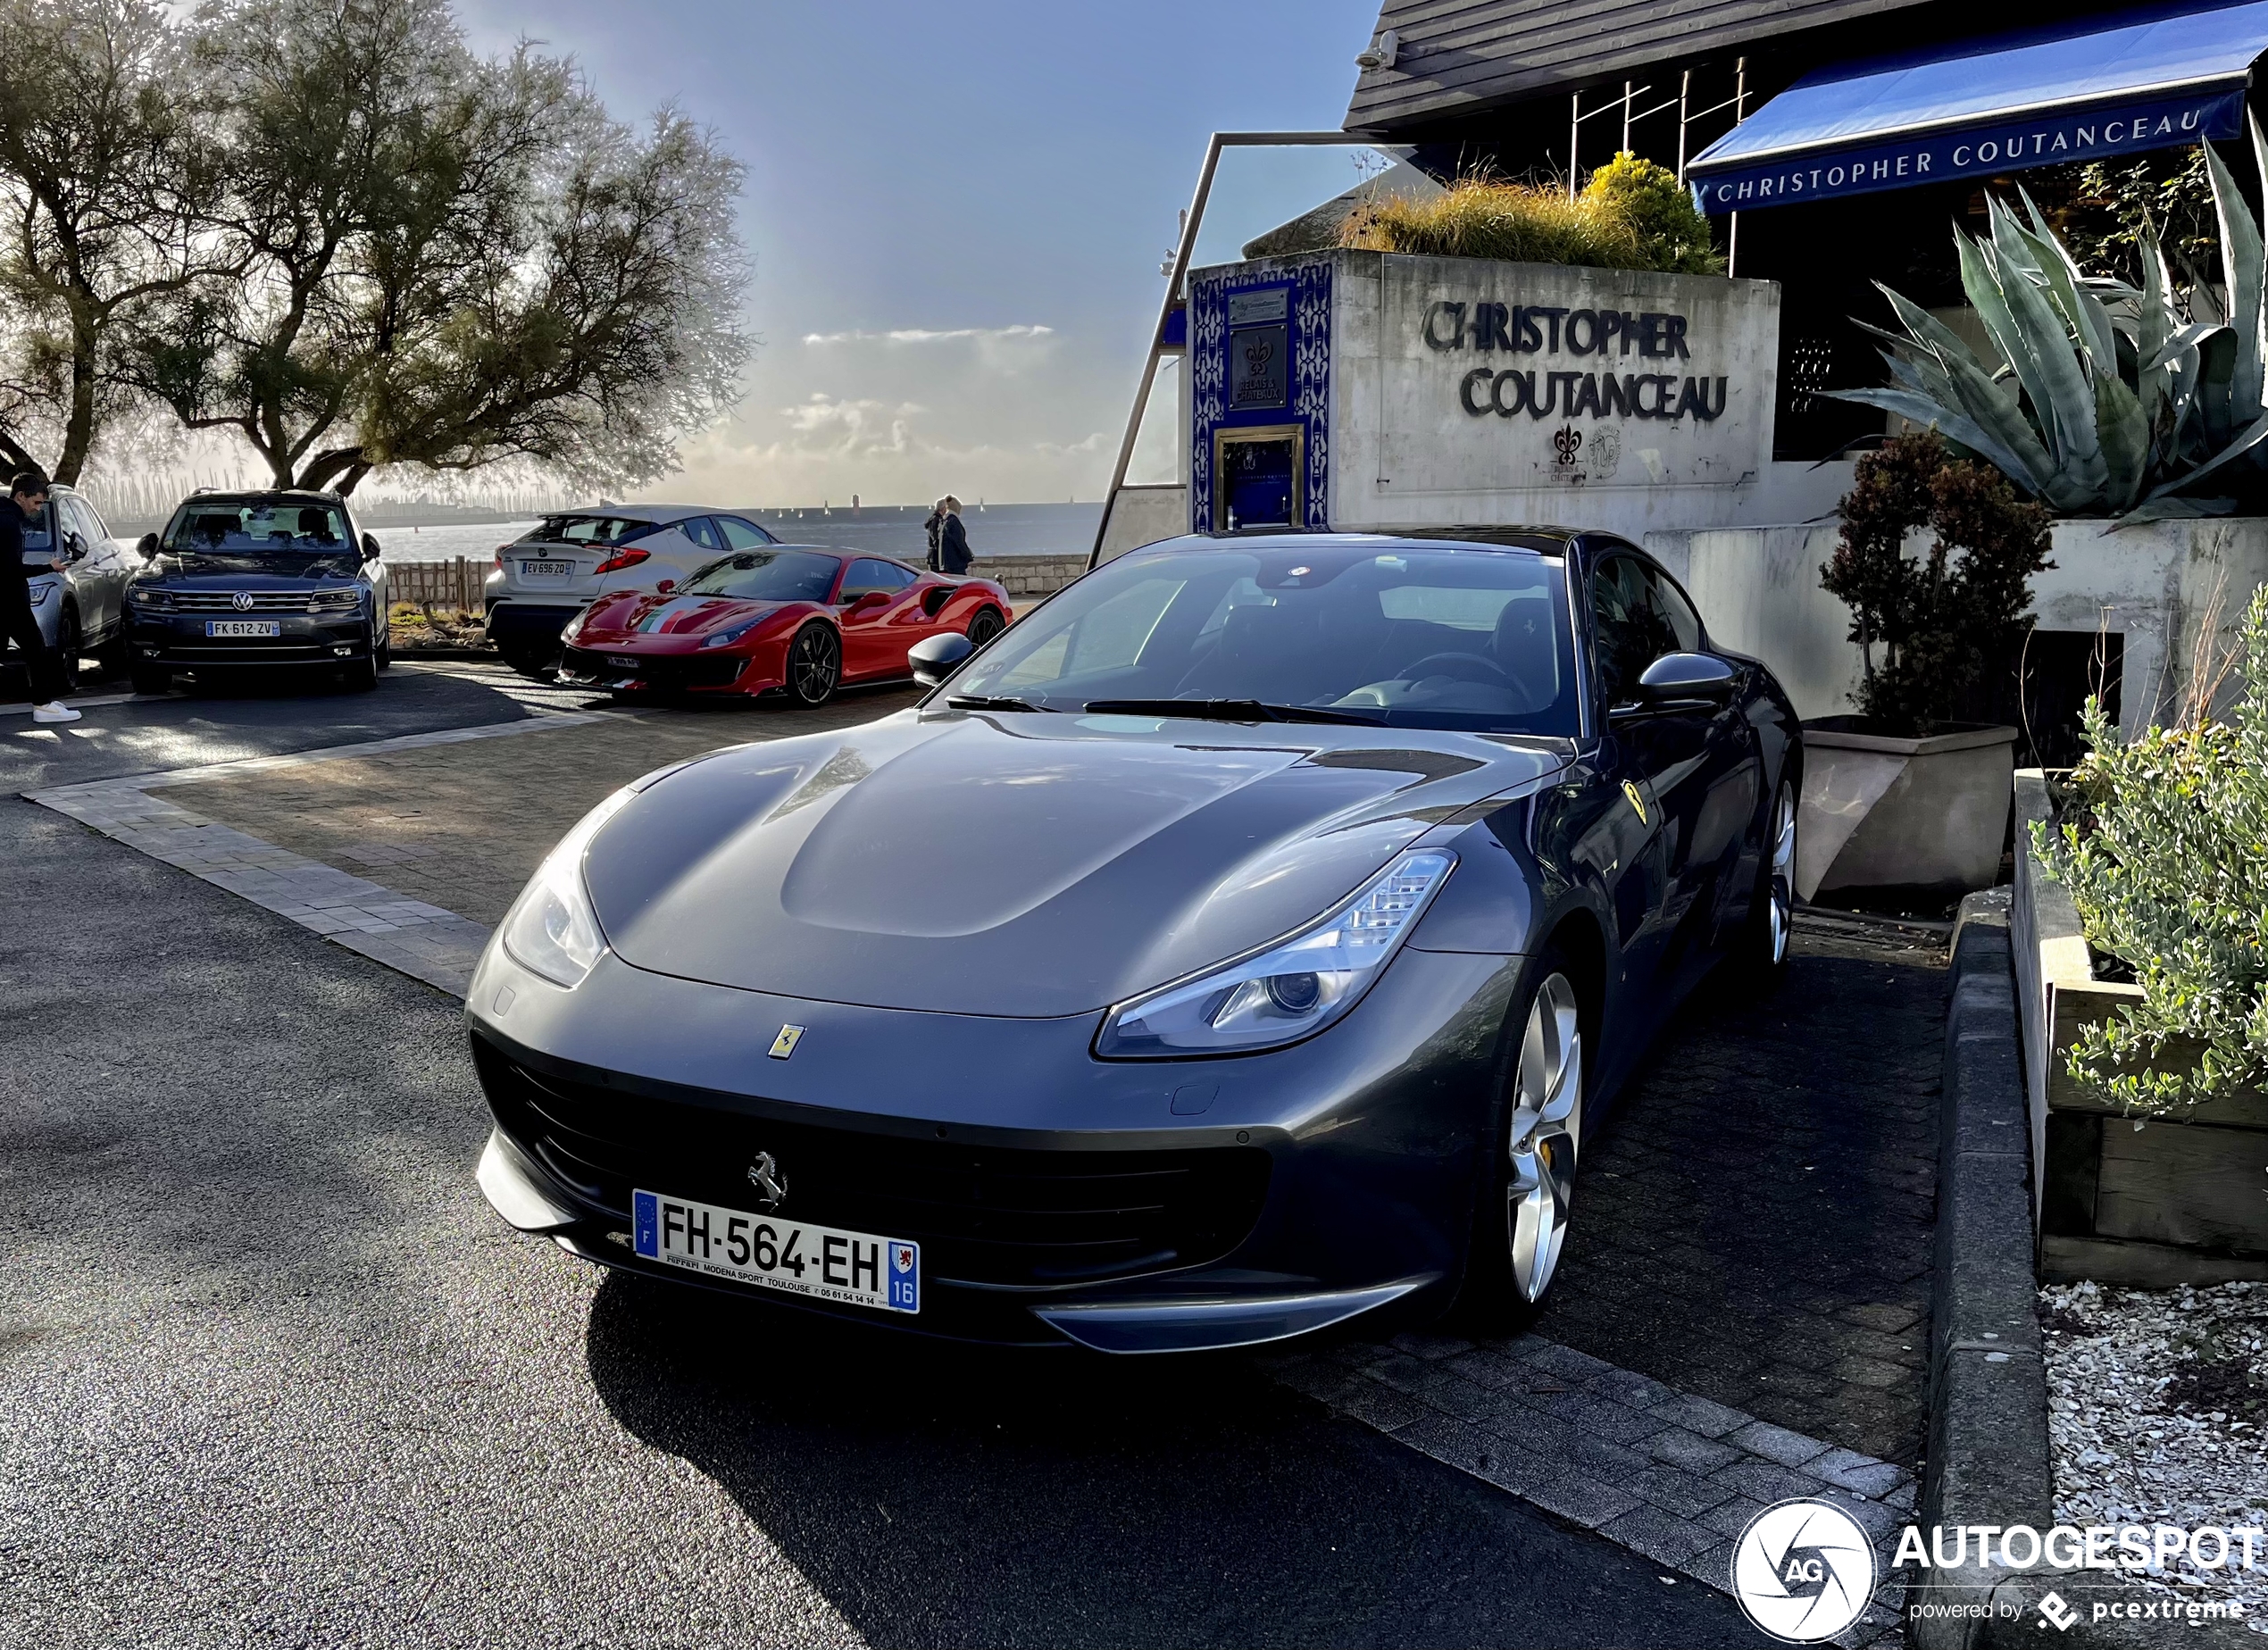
(1880, 813)
(2145, 1204)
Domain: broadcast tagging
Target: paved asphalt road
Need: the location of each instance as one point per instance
(270, 1373)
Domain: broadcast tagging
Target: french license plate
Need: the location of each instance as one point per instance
(243, 627)
(789, 1255)
(546, 569)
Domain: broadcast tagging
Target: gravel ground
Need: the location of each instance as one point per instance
(2156, 1405)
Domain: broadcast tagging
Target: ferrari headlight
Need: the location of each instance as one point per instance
(1292, 989)
(551, 928)
(725, 638)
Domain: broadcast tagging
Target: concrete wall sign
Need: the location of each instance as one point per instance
(1438, 391)
(1509, 375)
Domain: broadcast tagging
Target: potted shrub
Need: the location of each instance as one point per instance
(1912, 793)
(2141, 926)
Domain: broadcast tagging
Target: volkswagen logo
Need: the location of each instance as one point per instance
(242, 601)
(772, 1186)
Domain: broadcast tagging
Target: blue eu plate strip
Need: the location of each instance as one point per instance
(645, 1223)
(906, 1277)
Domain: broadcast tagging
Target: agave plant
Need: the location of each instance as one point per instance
(2097, 397)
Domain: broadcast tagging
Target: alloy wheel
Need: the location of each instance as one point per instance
(813, 664)
(984, 626)
(1780, 913)
(1546, 1123)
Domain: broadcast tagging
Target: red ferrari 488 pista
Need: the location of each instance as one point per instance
(782, 619)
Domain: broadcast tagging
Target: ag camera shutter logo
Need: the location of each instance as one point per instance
(1804, 1571)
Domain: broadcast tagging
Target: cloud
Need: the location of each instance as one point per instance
(918, 334)
(1097, 442)
(850, 428)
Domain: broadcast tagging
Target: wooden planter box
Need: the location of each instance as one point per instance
(2147, 1206)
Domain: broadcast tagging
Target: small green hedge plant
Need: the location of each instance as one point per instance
(2162, 841)
(1631, 215)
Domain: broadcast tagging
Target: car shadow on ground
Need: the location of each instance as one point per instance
(948, 1495)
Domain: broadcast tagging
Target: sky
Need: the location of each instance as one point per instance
(956, 212)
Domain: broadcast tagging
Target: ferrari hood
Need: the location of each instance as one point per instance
(1021, 865)
(677, 615)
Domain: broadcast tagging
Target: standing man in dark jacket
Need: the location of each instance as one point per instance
(28, 499)
(933, 526)
(953, 539)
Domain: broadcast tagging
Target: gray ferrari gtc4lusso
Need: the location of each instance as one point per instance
(1246, 940)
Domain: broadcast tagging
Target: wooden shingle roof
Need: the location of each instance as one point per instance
(1459, 56)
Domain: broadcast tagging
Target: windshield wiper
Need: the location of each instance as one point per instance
(1229, 709)
(987, 702)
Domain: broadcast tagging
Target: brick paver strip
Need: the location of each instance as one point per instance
(1477, 1406)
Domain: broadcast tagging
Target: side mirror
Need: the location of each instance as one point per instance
(934, 660)
(370, 547)
(75, 549)
(664, 586)
(146, 545)
(1682, 679)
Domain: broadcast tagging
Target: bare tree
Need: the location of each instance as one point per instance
(447, 262)
(108, 177)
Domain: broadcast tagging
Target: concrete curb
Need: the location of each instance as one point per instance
(1988, 1454)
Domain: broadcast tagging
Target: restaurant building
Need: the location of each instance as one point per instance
(1835, 142)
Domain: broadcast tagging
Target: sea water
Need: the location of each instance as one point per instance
(886, 530)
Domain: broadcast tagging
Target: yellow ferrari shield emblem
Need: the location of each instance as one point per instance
(784, 1044)
(1636, 802)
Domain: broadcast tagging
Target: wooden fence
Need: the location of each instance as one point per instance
(453, 585)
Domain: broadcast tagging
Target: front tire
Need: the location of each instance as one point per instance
(359, 675)
(1771, 910)
(70, 642)
(984, 626)
(1528, 1187)
(815, 666)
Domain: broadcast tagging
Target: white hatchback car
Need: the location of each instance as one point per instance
(567, 561)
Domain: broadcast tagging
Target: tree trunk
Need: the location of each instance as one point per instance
(78, 429)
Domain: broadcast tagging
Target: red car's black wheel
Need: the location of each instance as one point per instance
(985, 626)
(815, 664)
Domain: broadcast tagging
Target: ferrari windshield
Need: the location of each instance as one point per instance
(250, 531)
(766, 576)
(1404, 635)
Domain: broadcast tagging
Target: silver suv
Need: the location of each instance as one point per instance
(81, 610)
(567, 561)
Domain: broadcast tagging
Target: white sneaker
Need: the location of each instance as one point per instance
(52, 711)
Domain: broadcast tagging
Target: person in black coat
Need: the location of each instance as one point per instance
(953, 539)
(933, 526)
(28, 500)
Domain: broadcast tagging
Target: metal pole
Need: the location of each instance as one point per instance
(1182, 252)
(1626, 115)
(1685, 89)
(1739, 113)
(1574, 137)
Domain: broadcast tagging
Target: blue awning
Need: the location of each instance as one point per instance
(2079, 92)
